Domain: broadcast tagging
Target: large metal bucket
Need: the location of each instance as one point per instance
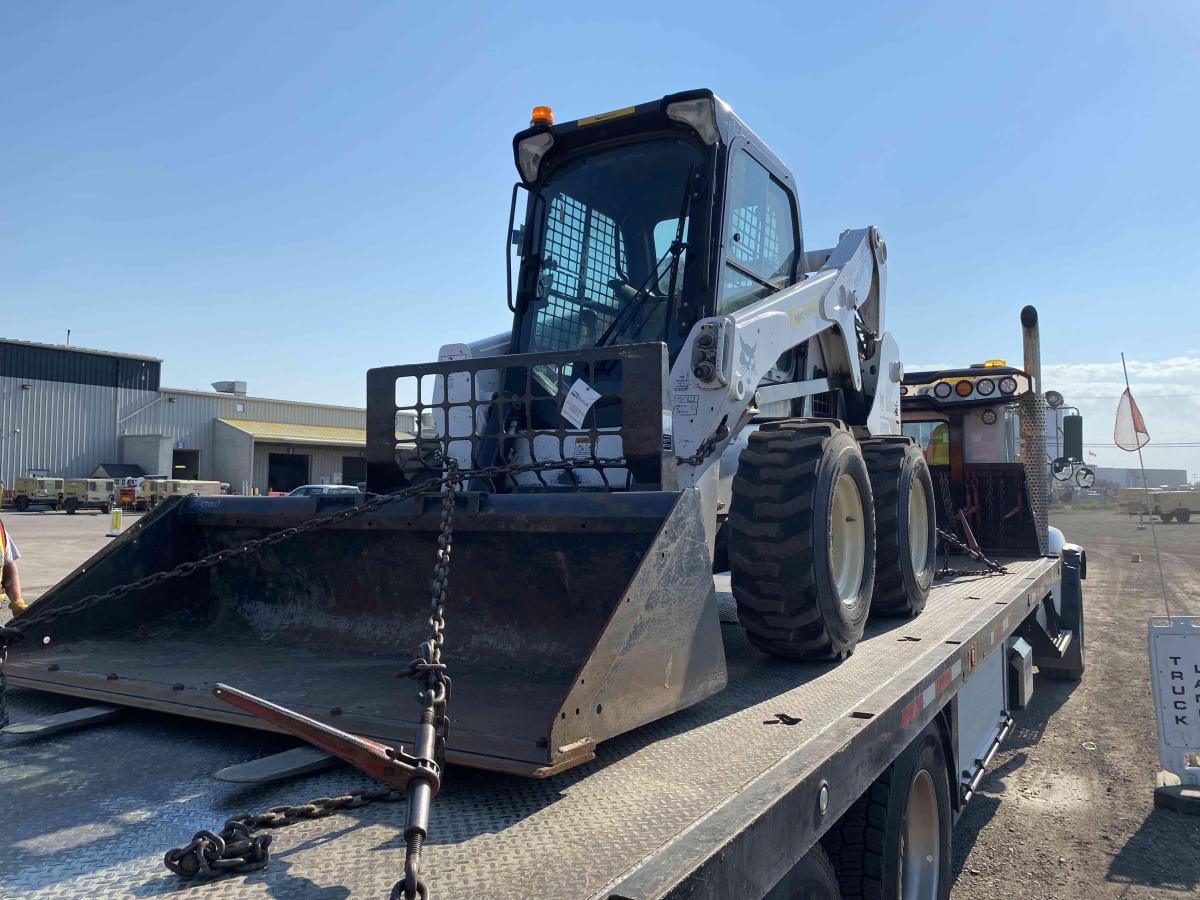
(571, 618)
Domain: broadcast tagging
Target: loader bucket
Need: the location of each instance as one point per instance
(571, 618)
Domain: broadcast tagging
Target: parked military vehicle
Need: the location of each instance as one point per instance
(45, 492)
(1175, 506)
(89, 493)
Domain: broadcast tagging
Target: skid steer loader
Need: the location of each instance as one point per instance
(684, 382)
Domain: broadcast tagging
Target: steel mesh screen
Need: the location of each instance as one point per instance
(582, 253)
(515, 410)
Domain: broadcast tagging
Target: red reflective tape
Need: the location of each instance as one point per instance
(943, 680)
(910, 712)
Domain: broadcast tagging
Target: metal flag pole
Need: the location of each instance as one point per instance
(1145, 499)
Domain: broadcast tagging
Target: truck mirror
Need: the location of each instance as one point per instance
(1073, 436)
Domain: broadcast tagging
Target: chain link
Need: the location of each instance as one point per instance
(5, 641)
(949, 540)
(236, 849)
(993, 567)
(344, 515)
(433, 698)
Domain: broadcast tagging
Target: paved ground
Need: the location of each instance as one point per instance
(1067, 809)
(53, 544)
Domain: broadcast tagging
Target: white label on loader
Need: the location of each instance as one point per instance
(578, 401)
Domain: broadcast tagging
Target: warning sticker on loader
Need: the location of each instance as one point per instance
(578, 401)
(583, 447)
(687, 404)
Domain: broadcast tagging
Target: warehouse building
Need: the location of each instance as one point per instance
(70, 411)
(1132, 477)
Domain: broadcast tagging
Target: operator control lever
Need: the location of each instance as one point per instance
(391, 765)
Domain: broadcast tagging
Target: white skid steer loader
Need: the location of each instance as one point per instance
(725, 398)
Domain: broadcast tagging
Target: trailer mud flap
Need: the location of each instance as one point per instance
(571, 618)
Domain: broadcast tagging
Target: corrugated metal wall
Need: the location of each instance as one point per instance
(71, 365)
(69, 429)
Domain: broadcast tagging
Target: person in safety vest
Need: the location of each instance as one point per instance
(937, 451)
(10, 578)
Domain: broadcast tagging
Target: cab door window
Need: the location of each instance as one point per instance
(760, 235)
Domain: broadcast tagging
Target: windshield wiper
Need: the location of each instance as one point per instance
(629, 312)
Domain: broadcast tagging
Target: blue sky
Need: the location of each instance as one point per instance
(291, 193)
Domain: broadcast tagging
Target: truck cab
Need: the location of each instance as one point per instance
(968, 424)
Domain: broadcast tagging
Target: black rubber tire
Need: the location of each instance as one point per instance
(894, 463)
(1166, 517)
(21, 503)
(106, 508)
(813, 878)
(72, 506)
(1184, 516)
(866, 843)
(779, 547)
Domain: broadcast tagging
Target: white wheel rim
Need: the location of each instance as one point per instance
(918, 526)
(920, 852)
(848, 539)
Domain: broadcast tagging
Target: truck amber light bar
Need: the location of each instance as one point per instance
(961, 388)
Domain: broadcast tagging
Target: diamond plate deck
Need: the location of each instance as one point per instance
(91, 813)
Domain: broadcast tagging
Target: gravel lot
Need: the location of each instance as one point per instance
(1076, 777)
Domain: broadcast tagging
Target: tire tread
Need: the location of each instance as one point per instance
(771, 552)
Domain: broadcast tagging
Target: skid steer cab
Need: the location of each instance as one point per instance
(685, 384)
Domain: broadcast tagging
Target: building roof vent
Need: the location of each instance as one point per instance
(230, 387)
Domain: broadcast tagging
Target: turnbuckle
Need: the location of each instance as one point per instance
(391, 765)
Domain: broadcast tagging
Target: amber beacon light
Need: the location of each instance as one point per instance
(541, 115)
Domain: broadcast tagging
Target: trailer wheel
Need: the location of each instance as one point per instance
(21, 503)
(813, 878)
(905, 525)
(802, 540)
(72, 506)
(1166, 517)
(1184, 515)
(894, 842)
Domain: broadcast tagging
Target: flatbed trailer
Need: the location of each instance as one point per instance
(723, 799)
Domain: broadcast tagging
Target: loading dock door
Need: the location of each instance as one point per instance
(286, 471)
(185, 464)
(354, 469)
